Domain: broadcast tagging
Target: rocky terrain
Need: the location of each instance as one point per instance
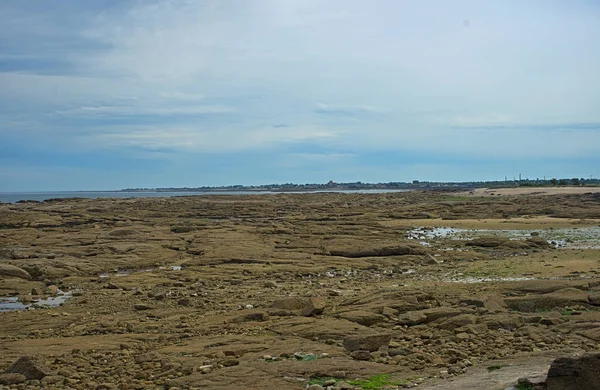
(338, 291)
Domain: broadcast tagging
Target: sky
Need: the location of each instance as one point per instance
(111, 94)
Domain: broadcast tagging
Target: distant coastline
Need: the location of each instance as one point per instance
(357, 186)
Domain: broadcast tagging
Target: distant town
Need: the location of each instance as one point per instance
(415, 184)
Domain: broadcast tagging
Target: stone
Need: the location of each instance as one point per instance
(30, 367)
(341, 385)
(113, 286)
(254, 316)
(412, 318)
(574, 373)
(593, 334)
(142, 306)
(52, 380)
(184, 302)
(458, 321)
(314, 306)
(51, 290)
(9, 270)
(270, 284)
(230, 361)
(369, 343)
(12, 378)
(493, 304)
(291, 303)
(315, 387)
(558, 299)
(437, 313)
(389, 312)
(360, 355)
(594, 298)
(362, 317)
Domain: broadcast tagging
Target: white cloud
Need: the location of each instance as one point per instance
(224, 140)
(108, 111)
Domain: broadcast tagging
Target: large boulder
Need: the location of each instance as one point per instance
(29, 367)
(575, 373)
(12, 271)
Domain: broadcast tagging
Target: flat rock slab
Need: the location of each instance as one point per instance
(533, 368)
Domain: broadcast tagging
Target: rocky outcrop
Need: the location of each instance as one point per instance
(557, 299)
(11, 271)
(399, 250)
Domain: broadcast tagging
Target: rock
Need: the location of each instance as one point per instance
(532, 303)
(593, 334)
(314, 306)
(29, 367)
(503, 321)
(148, 357)
(437, 313)
(12, 379)
(574, 373)
(291, 303)
(315, 387)
(270, 284)
(51, 290)
(493, 304)
(254, 316)
(365, 318)
(412, 318)
(594, 298)
(458, 321)
(184, 302)
(389, 312)
(341, 385)
(52, 380)
(13, 271)
(400, 250)
(142, 306)
(360, 355)
(230, 361)
(488, 242)
(369, 343)
(113, 286)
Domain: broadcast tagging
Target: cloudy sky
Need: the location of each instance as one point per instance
(108, 94)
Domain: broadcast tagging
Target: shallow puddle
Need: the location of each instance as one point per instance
(13, 303)
(129, 271)
(570, 238)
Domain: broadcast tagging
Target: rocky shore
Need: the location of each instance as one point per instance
(293, 291)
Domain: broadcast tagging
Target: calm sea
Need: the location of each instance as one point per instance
(12, 197)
